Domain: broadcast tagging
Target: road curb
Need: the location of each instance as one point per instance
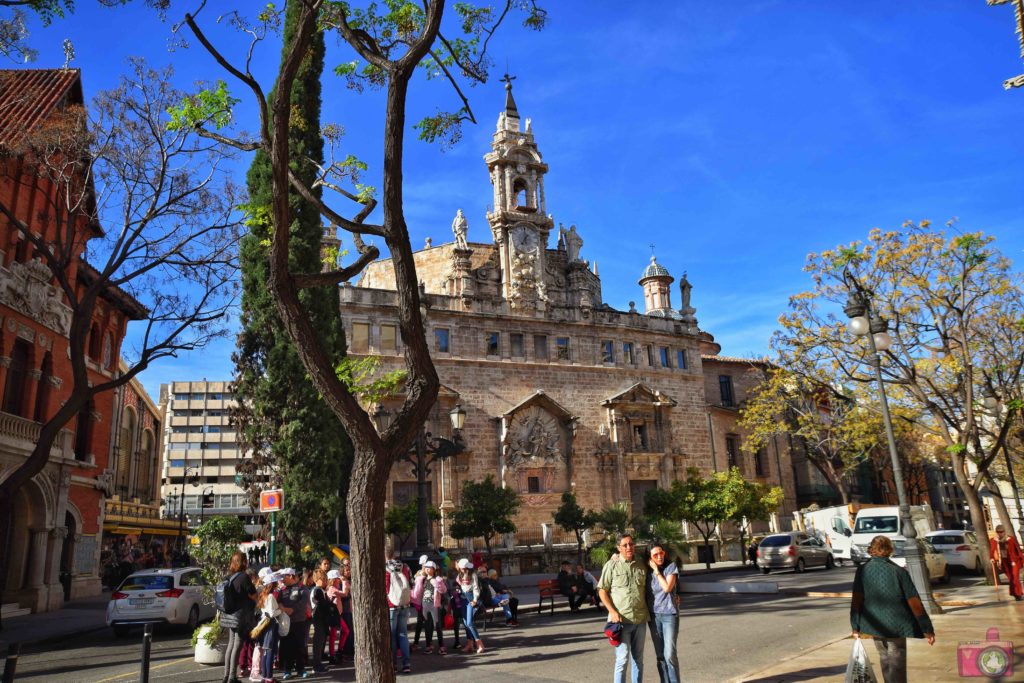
(55, 638)
(803, 653)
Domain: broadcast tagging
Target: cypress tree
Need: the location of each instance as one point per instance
(295, 440)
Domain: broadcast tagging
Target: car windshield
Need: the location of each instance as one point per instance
(946, 539)
(881, 525)
(147, 582)
(775, 541)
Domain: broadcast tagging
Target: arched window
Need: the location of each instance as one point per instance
(125, 451)
(94, 342)
(83, 433)
(17, 378)
(519, 190)
(43, 390)
(143, 480)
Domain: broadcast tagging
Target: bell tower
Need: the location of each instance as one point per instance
(519, 221)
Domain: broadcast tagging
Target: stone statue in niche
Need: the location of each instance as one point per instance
(534, 438)
(572, 240)
(460, 227)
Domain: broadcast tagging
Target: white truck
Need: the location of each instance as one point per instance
(832, 526)
(884, 521)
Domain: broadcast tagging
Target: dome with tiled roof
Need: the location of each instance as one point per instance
(654, 269)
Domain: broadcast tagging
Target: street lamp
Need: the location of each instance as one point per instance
(427, 451)
(202, 503)
(866, 322)
(992, 403)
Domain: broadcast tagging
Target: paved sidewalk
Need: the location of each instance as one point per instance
(75, 618)
(968, 614)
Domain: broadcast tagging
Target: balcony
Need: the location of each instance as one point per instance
(20, 435)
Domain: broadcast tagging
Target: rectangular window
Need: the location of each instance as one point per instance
(517, 345)
(216, 397)
(493, 344)
(628, 354)
(198, 396)
(731, 451)
(725, 389)
(388, 338)
(360, 338)
(540, 346)
(533, 484)
(607, 352)
(663, 354)
(650, 355)
(681, 359)
(759, 462)
(177, 463)
(181, 397)
(441, 340)
(562, 347)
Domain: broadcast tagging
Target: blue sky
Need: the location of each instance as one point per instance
(736, 137)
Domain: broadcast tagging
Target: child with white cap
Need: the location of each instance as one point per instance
(470, 587)
(429, 592)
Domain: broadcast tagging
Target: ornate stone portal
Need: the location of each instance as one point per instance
(26, 288)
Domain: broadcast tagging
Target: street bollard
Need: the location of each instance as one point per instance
(12, 662)
(147, 645)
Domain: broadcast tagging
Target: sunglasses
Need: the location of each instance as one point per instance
(628, 545)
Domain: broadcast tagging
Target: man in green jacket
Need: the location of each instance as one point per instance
(622, 589)
(886, 607)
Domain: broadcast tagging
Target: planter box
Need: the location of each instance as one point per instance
(210, 655)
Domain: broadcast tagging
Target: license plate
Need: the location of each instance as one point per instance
(140, 601)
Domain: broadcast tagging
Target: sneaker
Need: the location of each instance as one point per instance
(407, 669)
(427, 650)
(442, 651)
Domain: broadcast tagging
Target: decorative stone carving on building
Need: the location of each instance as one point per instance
(460, 227)
(572, 241)
(26, 288)
(534, 437)
(537, 442)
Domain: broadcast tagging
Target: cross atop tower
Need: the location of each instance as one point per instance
(652, 249)
(507, 80)
(510, 104)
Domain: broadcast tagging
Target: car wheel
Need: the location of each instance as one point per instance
(829, 562)
(800, 565)
(193, 618)
(121, 631)
(978, 568)
(765, 570)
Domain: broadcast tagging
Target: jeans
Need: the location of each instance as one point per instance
(231, 654)
(270, 639)
(632, 649)
(507, 608)
(400, 632)
(892, 655)
(664, 628)
(467, 621)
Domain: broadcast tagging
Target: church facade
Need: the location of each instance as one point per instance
(562, 391)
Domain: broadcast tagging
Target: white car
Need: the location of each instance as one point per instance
(934, 561)
(959, 547)
(159, 596)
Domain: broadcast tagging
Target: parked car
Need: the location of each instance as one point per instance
(960, 549)
(159, 596)
(934, 561)
(794, 550)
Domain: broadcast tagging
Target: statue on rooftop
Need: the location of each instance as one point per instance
(460, 226)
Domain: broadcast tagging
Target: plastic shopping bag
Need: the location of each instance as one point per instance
(859, 670)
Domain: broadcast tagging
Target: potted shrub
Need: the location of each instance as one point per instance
(218, 540)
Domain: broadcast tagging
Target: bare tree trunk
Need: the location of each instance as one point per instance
(977, 513)
(833, 477)
(1004, 513)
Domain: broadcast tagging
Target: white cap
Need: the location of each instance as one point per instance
(430, 563)
(263, 572)
(333, 574)
(287, 571)
(464, 563)
(423, 559)
(273, 577)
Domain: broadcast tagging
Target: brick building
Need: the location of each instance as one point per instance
(58, 516)
(563, 392)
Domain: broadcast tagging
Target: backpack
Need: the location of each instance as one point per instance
(485, 592)
(398, 590)
(224, 595)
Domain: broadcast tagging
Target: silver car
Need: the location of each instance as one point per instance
(159, 596)
(794, 550)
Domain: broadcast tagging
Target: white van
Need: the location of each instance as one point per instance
(831, 525)
(885, 521)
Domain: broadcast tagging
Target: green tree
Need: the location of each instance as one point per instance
(704, 503)
(296, 441)
(219, 538)
(613, 520)
(754, 501)
(485, 510)
(955, 312)
(400, 520)
(572, 517)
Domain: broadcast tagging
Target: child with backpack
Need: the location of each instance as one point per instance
(396, 584)
(339, 629)
(429, 591)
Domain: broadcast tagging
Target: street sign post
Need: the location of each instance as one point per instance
(272, 502)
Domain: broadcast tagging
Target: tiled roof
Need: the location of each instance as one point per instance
(733, 359)
(27, 96)
(654, 269)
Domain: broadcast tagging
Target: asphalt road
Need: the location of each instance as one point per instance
(721, 636)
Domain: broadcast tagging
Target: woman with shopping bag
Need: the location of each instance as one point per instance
(887, 607)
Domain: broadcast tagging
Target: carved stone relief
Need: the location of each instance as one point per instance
(26, 288)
